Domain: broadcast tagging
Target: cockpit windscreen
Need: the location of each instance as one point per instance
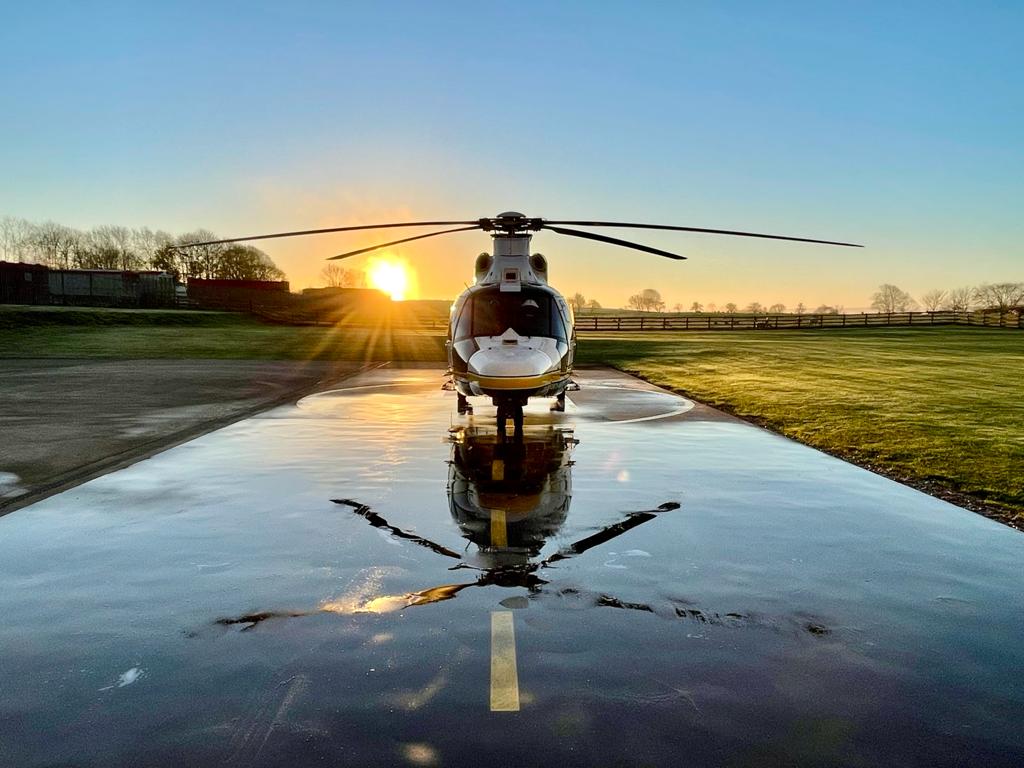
(529, 312)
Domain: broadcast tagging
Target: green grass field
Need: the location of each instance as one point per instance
(940, 407)
(935, 406)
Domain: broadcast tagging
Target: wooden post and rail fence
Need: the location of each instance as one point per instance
(711, 321)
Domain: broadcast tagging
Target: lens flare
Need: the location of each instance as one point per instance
(389, 275)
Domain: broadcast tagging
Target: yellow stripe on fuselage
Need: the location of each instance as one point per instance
(514, 382)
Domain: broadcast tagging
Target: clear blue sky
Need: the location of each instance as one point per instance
(900, 125)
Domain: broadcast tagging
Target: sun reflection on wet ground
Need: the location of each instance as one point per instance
(342, 580)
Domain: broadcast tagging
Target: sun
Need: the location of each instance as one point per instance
(389, 275)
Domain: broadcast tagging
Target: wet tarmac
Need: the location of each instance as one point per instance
(366, 578)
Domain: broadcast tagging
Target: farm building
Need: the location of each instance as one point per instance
(38, 284)
(22, 283)
(111, 288)
(239, 295)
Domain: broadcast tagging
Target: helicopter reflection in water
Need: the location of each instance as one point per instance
(508, 496)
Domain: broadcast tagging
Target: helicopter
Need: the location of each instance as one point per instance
(511, 336)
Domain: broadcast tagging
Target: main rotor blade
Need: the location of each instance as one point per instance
(403, 240)
(325, 231)
(701, 230)
(613, 241)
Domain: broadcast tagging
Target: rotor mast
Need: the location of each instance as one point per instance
(511, 264)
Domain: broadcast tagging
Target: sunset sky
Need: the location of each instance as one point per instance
(898, 125)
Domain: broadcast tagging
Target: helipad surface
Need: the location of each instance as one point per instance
(213, 604)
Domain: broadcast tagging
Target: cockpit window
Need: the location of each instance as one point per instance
(529, 312)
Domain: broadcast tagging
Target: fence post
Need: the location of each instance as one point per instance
(709, 322)
(664, 323)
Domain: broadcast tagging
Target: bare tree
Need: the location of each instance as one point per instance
(647, 300)
(199, 261)
(54, 244)
(825, 309)
(960, 299)
(336, 276)
(578, 301)
(15, 236)
(1001, 296)
(731, 308)
(99, 250)
(696, 307)
(652, 300)
(777, 309)
(146, 243)
(933, 300)
(800, 308)
(755, 307)
(891, 298)
(593, 304)
(712, 307)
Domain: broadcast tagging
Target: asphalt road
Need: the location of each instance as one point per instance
(64, 421)
(366, 578)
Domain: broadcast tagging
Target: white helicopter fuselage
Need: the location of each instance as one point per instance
(511, 336)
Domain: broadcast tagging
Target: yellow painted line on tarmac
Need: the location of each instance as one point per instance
(499, 531)
(504, 677)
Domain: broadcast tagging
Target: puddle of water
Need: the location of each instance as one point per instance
(318, 584)
(10, 485)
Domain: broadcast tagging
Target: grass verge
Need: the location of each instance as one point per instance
(941, 409)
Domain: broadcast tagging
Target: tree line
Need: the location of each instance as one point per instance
(998, 296)
(131, 249)
(888, 298)
(650, 300)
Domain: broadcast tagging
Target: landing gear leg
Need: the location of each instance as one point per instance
(463, 404)
(559, 406)
(502, 419)
(517, 419)
(512, 411)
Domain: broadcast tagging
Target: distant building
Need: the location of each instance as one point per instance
(38, 284)
(22, 283)
(239, 295)
(111, 288)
